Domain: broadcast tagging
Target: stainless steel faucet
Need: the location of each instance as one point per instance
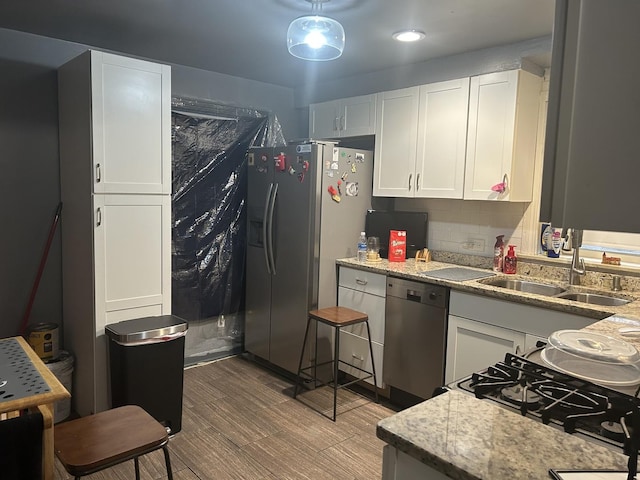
(577, 264)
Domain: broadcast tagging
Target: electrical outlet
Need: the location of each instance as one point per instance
(477, 244)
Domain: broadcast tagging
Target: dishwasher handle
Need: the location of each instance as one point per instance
(414, 296)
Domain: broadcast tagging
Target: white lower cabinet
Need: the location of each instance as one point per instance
(471, 343)
(397, 465)
(355, 350)
(482, 330)
(365, 292)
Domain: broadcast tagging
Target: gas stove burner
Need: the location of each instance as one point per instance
(612, 430)
(519, 395)
(568, 397)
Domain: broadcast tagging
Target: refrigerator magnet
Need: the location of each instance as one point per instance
(353, 168)
(281, 161)
(351, 189)
(335, 166)
(359, 157)
(301, 177)
(291, 170)
(334, 194)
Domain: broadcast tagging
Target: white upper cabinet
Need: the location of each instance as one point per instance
(131, 125)
(501, 135)
(396, 143)
(346, 117)
(442, 137)
(459, 138)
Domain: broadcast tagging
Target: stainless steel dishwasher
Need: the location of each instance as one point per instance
(415, 336)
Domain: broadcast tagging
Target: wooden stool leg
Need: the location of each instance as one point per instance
(304, 342)
(336, 358)
(167, 462)
(373, 364)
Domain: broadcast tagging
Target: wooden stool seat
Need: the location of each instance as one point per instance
(93, 443)
(336, 317)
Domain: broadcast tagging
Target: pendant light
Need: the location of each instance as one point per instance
(315, 37)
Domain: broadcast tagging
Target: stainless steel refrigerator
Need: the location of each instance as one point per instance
(306, 206)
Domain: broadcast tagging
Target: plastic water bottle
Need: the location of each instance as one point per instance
(362, 247)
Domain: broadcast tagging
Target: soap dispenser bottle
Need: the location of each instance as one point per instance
(498, 254)
(510, 260)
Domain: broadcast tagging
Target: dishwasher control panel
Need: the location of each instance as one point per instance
(426, 293)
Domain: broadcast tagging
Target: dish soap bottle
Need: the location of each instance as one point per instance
(498, 253)
(510, 261)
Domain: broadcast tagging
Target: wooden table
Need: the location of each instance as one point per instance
(40, 401)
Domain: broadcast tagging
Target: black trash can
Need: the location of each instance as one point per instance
(146, 360)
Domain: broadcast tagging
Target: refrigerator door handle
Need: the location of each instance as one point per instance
(270, 228)
(265, 240)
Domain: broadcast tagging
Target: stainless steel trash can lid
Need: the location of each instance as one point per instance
(163, 327)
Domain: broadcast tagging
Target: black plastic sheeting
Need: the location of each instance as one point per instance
(209, 209)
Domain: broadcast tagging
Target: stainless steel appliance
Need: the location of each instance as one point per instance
(415, 336)
(306, 207)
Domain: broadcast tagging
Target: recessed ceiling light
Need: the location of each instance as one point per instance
(408, 35)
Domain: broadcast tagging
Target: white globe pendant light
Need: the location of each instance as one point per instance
(315, 37)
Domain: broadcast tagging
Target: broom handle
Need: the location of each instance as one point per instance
(43, 261)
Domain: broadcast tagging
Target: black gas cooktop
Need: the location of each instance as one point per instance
(554, 398)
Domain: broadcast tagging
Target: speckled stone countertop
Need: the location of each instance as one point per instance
(468, 439)
(416, 271)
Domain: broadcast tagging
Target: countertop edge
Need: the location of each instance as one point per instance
(413, 270)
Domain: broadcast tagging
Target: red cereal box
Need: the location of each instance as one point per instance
(397, 245)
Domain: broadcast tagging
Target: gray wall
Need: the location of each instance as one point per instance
(29, 163)
(522, 54)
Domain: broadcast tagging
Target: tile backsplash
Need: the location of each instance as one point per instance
(471, 227)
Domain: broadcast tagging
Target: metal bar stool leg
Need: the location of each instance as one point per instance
(336, 359)
(167, 462)
(373, 364)
(304, 342)
(137, 467)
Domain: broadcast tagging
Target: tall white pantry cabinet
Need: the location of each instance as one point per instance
(115, 174)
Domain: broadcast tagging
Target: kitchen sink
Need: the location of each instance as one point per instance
(527, 286)
(594, 298)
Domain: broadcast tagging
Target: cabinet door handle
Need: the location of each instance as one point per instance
(518, 350)
(410, 177)
(342, 122)
(417, 182)
(361, 282)
(98, 174)
(336, 126)
(98, 217)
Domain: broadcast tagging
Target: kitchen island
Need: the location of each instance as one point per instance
(455, 435)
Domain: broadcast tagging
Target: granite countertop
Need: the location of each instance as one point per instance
(413, 270)
(467, 439)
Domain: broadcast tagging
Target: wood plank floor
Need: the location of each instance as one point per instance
(240, 422)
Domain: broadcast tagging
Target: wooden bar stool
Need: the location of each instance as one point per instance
(93, 443)
(336, 317)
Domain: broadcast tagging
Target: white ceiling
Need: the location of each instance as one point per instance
(247, 38)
